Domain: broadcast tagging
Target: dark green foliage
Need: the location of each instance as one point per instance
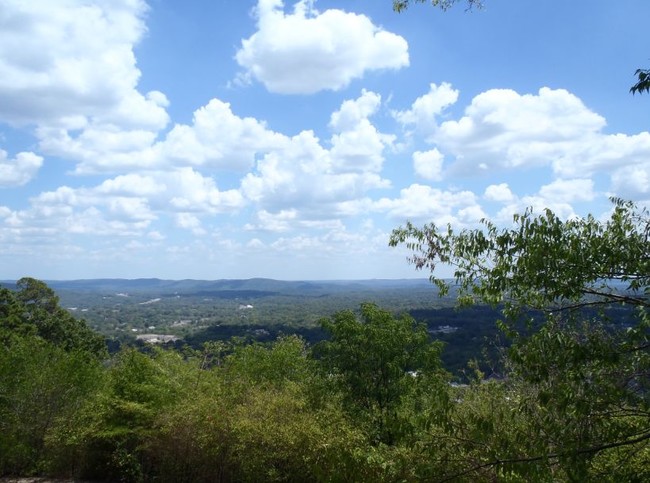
(381, 362)
(581, 382)
(34, 309)
(371, 403)
(543, 262)
(643, 83)
(401, 5)
(41, 387)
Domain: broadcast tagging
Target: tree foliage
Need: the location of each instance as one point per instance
(582, 381)
(381, 362)
(34, 309)
(542, 262)
(49, 363)
(370, 404)
(643, 81)
(401, 5)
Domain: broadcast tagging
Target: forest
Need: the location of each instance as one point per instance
(372, 401)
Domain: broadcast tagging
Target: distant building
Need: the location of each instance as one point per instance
(157, 338)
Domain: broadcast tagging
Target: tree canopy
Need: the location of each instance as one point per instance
(380, 361)
(583, 378)
(400, 5)
(643, 81)
(541, 262)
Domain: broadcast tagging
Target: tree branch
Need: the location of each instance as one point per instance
(530, 459)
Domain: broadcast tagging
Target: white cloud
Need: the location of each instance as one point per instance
(277, 222)
(503, 129)
(359, 145)
(568, 190)
(20, 170)
(189, 190)
(126, 205)
(307, 51)
(419, 202)
(292, 219)
(60, 60)
(132, 184)
(557, 196)
(632, 182)
(428, 164)
(68, 69)
(100, 148)
(218, 138)
(302, 173)
(155, 235)
(538, 204)
(600, 152)
(499, 192)
(354, 111)
(189, 221)
(425, 108)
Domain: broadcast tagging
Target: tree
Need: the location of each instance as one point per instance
(34, 309)
(643, 83)
(583, 379)
(381, 363)
(543, 262)
(400, 5)
(41, 387)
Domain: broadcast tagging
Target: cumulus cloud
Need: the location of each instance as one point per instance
(190, 222)
(301, 174)
(20, 170)
(100, 148)
(189, 190)
(358, 146)
(633, 181)
(428, 164)
(216, 138)
(568, 190)
(420, 202)
(601, 152)
(505, 130)
(424, 110)
(126, 205)
(320, 181)
(499, 192)
(290, 219)
(558, 196)
(219, 138)
(308, 51)
(68, 69)
(61, 61)
(132, 184)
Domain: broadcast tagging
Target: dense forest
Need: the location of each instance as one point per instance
(372, 400)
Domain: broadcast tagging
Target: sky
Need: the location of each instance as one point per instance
(236, 139)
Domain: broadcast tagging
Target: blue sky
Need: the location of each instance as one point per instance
(237, 139)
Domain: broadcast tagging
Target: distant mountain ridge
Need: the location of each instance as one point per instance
(187, 286)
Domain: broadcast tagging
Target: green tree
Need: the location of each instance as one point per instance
(42, 386)
(643, 81)
(49, 363)
(542, 262)
(401, 5)
(256, 415)
(583, 380)
(382, 363)
(111, 433)
(34, 308)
